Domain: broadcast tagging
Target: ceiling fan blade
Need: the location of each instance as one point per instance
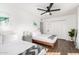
(50, 5)
(55, 10)
(41, 9)
(43, 13)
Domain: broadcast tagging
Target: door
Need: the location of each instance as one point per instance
(57, 28)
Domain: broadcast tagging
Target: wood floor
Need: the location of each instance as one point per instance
(63, 47)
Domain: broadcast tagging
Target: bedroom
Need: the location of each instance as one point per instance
(24, 20)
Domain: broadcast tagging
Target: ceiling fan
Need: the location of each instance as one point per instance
(48, 9)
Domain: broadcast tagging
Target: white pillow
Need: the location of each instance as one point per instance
(36, 33)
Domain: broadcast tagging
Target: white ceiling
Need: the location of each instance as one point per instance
(66, 8)
(31, 8)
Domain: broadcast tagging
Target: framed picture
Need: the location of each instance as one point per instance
(4, 19)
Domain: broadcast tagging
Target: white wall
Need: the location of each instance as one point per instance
(77, 40)
(60, 25)
(19, 19)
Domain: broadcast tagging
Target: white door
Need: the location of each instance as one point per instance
(57, 28)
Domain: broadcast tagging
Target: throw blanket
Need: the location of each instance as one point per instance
(52, 36)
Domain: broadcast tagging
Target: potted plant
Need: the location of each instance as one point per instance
(72, 34)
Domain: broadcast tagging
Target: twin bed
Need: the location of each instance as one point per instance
(11, 43)
(14, 48)
(45, 39)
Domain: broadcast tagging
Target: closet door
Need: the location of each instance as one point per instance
(57, 28)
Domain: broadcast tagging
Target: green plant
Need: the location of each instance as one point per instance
(72, 33)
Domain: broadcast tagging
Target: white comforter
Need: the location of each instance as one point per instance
(44, 37)
(11, 43)
(14, 48)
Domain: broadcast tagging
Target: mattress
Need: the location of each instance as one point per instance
(44, 37)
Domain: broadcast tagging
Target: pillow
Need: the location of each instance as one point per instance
(25, 33)
(36, 33)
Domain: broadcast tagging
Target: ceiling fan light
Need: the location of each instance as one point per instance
(48, 13)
